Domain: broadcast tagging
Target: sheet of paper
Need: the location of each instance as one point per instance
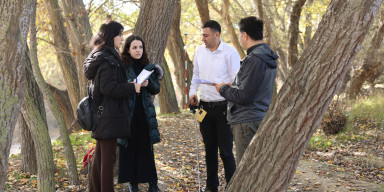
(143, 76)
(202, 81)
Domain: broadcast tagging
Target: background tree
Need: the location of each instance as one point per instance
(63, 53)
(39, 139)
(270, 161)
(293, 32)
(372, 62)
(37, 124)
(153, 25)
(224, 12)
(14, 24)
(202, 7)
(27, 148)
(176, 50)
(76, 16)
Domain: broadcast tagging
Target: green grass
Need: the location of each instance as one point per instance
(370, 108)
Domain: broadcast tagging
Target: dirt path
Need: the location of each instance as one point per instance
(318, 176)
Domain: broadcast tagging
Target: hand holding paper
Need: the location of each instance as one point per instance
(143, 76)
(202, 81)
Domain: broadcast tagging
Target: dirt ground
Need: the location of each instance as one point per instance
(176, 161)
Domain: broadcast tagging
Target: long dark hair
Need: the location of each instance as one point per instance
(107, 32)
(127, 58)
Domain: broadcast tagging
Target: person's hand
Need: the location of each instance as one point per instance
(218, 86)
(145, 83)
(193, 100)
(137, 87)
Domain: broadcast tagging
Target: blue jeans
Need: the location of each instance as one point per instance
(216, 135)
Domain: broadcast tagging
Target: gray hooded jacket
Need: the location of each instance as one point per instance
(251, 92)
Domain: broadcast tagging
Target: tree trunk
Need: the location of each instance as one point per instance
(271, 159)
(175, 46)
(73, 176)
(231, 30)
(27, 148)
(153, 25)
(293, 33)
(14, 23)
(35, 117)
(202, 6)
(62, 98)
(80, 33)
(167, 98)
(372, 62)
(67, 65)
(267, 23)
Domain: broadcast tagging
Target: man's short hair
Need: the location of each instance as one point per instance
(214, 25)
(252, 26)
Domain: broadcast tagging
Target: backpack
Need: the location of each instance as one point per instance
(87, 116)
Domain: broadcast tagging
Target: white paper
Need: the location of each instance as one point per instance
(202, 81)
(143, 76)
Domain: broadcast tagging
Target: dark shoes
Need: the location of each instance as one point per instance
(153, 187)
(133, 187)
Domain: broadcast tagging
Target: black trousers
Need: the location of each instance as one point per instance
(216, 135)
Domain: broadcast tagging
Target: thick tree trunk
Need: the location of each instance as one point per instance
(175, 46)
(62, 98)
(80, 33)
(14, 23)
(73, 176)
(372, 62)
(167, 98)
(63, 53)
(202, 6)
(34, 114)
(293, 32)
(270, 161)
(153, 25)
(27, 148)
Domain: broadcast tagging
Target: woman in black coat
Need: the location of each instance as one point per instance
(111, 92)
(136, 159)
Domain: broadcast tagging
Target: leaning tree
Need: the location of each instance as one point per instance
(271, 159)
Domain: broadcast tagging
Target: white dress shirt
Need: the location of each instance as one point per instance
(217, 66)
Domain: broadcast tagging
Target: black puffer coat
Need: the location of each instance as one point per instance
(153, 88)
(111, 90)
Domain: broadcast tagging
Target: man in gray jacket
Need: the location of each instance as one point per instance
(250, 94)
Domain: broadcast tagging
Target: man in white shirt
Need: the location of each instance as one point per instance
(215, 61)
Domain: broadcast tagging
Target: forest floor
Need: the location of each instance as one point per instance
(351, 161)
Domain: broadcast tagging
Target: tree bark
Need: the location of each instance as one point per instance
(35, 118)
(63, 53)
(73, 176)
(267, 23)
(27, 148)
(372, 62)
(62, 99)
(80, 33)
(271, 159)
(153, 25)
(293, 32)
(175, 46)
(167, 98)
(202, 6)
(14, 24)
(231, 30)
